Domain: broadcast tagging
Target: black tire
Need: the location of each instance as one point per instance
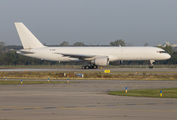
(151, 67)
(91, 67)
(95, 67)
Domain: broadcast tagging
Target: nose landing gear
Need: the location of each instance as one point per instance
(151, 64)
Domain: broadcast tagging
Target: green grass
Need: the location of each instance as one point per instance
(166, 93)
(55, 75)
(18, 82)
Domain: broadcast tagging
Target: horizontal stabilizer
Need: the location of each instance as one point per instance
(25, 52)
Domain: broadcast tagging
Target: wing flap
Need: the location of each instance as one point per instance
(79, 56)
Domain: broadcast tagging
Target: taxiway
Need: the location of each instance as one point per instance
(79, 69)
(86, 99)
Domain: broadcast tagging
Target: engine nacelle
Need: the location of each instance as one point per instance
(117, 62)
(101, 61)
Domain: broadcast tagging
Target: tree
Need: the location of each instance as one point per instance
(129, 44)
(79, 44)
(2, 44)
(65, 43)
(146, 44)
(117, 42)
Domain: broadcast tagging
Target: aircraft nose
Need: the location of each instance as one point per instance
(168, 56)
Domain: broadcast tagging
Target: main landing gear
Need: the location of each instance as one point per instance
(151, 64)
(90, 67)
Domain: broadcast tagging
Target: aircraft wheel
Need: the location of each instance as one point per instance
(87, 67)
(92, 67)
(150, 67)
(83, 67)
(95, 67)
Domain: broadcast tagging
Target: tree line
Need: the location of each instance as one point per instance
(9, 57)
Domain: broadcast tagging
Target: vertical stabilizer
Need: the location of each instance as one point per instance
(27, 38)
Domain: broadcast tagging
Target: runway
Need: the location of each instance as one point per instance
(86, 99)
(78, 69)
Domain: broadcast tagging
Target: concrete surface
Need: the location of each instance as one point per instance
(78, 69)
(85, 100)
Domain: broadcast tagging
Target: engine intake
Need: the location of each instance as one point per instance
(101, 61)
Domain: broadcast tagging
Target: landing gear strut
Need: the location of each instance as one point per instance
(90, 67)
(151, 64)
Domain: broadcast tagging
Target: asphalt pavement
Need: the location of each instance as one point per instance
(85, 99)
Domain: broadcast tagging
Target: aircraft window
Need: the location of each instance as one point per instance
(161, 52)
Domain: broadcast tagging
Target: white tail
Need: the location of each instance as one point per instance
(27, 38)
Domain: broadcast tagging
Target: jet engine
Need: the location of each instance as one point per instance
(101, 61)
(117, 62)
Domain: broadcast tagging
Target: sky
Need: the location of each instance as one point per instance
(91, 21)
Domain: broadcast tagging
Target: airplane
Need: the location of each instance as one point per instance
(95, 56)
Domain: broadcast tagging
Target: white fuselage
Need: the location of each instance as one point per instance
(113, 53)
(96, 55)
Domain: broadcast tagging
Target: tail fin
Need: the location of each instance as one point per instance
(27, 38)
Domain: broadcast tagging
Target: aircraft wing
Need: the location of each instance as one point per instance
(79, 56)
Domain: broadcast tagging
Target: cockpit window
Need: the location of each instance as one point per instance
(161, 52)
